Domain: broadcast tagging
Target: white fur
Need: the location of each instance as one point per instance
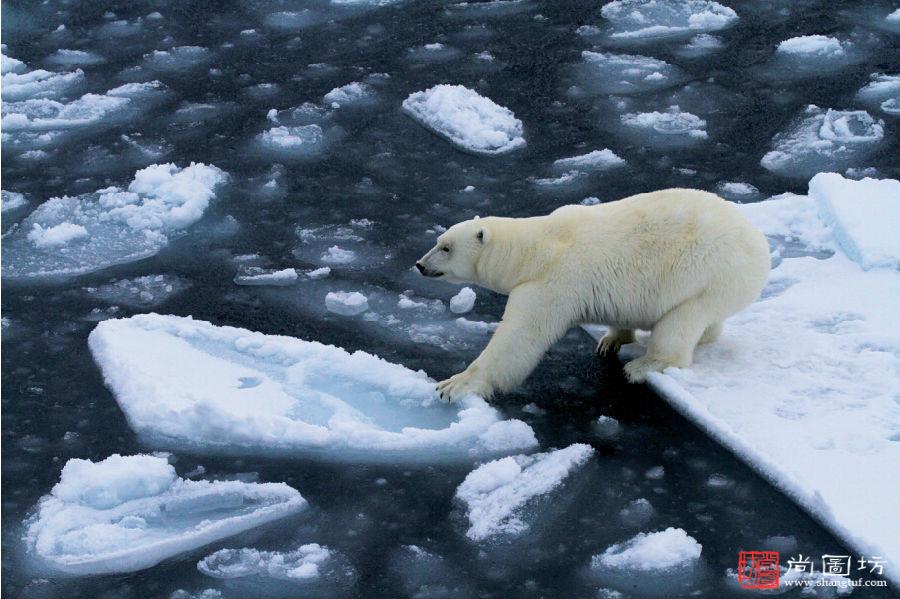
(675, 262)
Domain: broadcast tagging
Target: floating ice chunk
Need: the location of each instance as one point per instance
(305, 397)
(598, 160)
(824, 140)
(651, 552)
(338, 255)
(666, 129)
(304, 138)
(74, 58)
(734, 190)
(640, 20)
(434, 52)
(606, 428)
(637, 512)
(287, 276)
(56, 235)
(12, 200)
(39, 123)
(129, 513)
(702, 44)
(111, 225)
(862, 215)
(11, 65)
(319, 273)
(307, 564)
(204, 594)
(466, 119)
(486, 8)
(463, 301)
(346, 303)
(476, 326)
(564, 180)
(297, 19)
(352, 93)
(893, 17)
(139, 292)
(497, 493)
(882, 92)
(178, 58)
(807, 45)
(39, 84)
(608, 73)
(298, 141)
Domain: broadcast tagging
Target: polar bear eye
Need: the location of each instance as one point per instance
(445, 248)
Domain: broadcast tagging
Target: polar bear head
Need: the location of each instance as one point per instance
(455, 256)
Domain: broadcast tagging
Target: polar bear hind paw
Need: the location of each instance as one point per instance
(462, 384)
(637, 370)
(613, 340)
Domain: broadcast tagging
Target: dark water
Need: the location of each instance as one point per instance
(387, 169)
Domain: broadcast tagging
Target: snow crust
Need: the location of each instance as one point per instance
(188, 383)
(75, 235)
(497, 493)
(128, 513)
(466, 119)
(824, 429)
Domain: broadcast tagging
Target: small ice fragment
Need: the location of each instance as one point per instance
(346, 303)
(463, 301)
(338, 255)
(597, 160)
(669, 549)
(606, 428)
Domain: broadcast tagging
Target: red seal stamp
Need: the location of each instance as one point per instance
(758, 569)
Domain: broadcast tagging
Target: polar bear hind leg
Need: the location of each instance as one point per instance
(614, 339)
(673, 339)
(711, 333)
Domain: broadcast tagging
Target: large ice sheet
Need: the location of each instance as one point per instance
(188, 383)
(466, 119)
(74, 235)
(496, 494)
(863, 217)
(127, 513)
(803, 385)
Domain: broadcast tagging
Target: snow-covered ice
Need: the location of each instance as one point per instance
(312, 566)
(355, 93)
(68, 236)
(823, 140)
(598, 160)
(649, 552)
(463, 301)
(497, 494)
(128, 513)
(672, 128)
(346, 303)
(18, 83)
(882, 93)
(806, 45)
(466, 119)
(638, 20)
(74, 58)
(825, 429)
(188, 383)
(12, 200)
(260, 276)
(862, 216)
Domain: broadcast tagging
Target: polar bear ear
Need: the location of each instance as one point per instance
(483, 235)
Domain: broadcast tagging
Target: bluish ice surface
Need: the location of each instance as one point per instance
(365, 178)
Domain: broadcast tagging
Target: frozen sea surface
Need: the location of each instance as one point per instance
(301, 104)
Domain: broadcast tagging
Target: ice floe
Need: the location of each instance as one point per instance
(355, 93)
(74, 58)
(637, 20)
(673, 128)
(346, 303)
(670, 548)
(598, 160)
(188, 383)
(823, 140)
(139, 292)
(610, 73)
(882, 93)
(127, 513)
(497, 495)
(807, 45)
(18, 83)
(466, 119)
(74, 235)
(12, 200)
(832, 402)
(310, 570)
(260, 276)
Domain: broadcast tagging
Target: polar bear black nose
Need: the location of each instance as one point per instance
(420, 267)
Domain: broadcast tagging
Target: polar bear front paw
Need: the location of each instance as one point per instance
(637, 370)
(462, 384)
(613, 340)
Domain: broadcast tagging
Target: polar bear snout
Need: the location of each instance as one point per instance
(427, 272)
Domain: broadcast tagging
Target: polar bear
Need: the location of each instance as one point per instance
(676, 262)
